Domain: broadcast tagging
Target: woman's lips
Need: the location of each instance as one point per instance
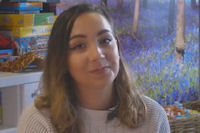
(99, 71)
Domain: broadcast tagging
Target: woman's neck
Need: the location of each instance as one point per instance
(98, 99)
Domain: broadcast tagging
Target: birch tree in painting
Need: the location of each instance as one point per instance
(136, 17)
(180, 27)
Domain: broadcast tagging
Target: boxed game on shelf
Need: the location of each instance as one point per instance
(26, 6)
(19, 20)
(5, 54)
(27, 31)
(30, 38)
(19, 12)
(34, 44)
(6, 42)
(30, 0)
(7, 48)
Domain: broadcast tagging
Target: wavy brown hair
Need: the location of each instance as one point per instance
(58, 94)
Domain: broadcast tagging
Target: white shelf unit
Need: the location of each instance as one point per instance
(16, 93)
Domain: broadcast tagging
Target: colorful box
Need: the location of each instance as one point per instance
(19, 12)
(6, 42)
(31, 38)
(23, 0)
(27, 6)
(21, 20)
(5, 52)
(7, 58)
(35, 43)
(27, 31)
(41, 52)
(50, 1)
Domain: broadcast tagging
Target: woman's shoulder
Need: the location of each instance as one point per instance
(152, 105)
(156, 116)
(154, 109)
(34, 120)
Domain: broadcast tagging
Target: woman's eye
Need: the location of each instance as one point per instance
(80, 46)
(105, 41)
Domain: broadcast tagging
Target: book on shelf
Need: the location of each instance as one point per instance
(19, 12)
(30, 0)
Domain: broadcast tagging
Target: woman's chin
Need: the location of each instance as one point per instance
(102, 84)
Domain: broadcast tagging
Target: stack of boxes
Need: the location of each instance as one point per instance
(23, 28)
(23, 22)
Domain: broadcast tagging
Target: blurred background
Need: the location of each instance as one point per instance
(160, 42)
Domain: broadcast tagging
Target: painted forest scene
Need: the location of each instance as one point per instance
(159, 41)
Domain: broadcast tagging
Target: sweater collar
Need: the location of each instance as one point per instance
(95, 115)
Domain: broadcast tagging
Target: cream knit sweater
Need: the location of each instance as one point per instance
(34, 121)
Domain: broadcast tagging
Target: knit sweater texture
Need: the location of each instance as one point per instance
(95, 121)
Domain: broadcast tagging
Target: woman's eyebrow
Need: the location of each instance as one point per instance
(103, 31)
(84, 36)
(77, 36)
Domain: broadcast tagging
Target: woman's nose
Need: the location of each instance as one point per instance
(96, 52)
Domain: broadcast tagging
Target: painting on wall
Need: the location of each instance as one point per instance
(160, 42)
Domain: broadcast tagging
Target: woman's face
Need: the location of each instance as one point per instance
(93, 53)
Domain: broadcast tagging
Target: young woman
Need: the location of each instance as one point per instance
(86, 87)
